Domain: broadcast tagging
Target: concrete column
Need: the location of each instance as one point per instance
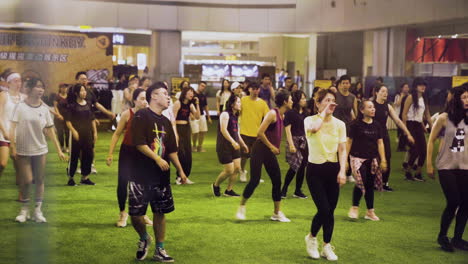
(397, 52)
(368, 53)
(166, 54)
(311, 66)
(380, 52)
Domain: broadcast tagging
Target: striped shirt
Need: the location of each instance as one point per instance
(31, 121)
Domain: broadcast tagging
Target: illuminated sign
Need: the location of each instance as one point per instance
(118, 39)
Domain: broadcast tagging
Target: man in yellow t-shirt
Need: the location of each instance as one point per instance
(253, 109)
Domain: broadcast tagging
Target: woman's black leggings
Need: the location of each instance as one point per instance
(82, 150)
(418, 151)
(261, 155)
(324, 189)
(454, 183)
(185, 148)
(126, 155)
(388, 156)
(300, 174)
(62, 132)
(368, 179)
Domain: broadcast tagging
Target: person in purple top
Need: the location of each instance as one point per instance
(264, 152)
(266, 90)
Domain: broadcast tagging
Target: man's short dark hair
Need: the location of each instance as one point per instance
(281, 97)
(344, 78)
(202, 82)
(264, 75)
(380, 79)
(77, 76)
(154, 86)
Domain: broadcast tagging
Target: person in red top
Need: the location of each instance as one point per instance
(126, 154)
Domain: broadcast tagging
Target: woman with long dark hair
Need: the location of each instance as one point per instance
(80, 121)
(296, 144)
(264, 152)
(126, 153)
(383, 110)
(416, 109)
(30, 120)
(452, 166)
(223, 95)
(398, 104)
(367, 158)
(186, 105)
(60, 105)
(326, 167)
(228, 146)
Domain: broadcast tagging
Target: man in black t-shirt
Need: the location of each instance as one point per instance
(199, 127)
(154, 139)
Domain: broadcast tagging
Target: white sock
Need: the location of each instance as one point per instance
(38, 204)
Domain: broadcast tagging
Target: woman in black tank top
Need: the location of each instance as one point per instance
(228, 146)
(382, 111)
(186, 105)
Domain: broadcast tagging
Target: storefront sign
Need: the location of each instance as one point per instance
(322, 83)
(55, 57)
(459, 80)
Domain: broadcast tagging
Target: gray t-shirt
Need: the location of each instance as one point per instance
(453, 153)
(344, 107)
(30, 123)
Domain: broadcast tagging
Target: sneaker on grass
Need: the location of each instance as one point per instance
(38, 217)
(87, 182)
(460, 244)
(312, 246)
(243, 176)
(231, 193)
(387, 188)
(71, 182)
(188, 181)
(445, 244)
(161, 255)
(280, 217)
(142, 250)
(22, 216)
(327, 252)
(299, 195)
(351, 179)
(240, 215)
(216, 190)
(122, 219)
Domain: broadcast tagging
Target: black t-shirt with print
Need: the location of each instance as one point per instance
(365, 138)
(155, 131)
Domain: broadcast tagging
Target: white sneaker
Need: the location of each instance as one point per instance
(93, 169)
(23, 216)
(243, 176)
(240, 215)
(327, 252)
(38, 217)
(351, 179)
(188, 181)
(262, 181)
(353, 212)
(312, 247)
(78, 170)
(280, 217)
(122, 220)
(178, 181)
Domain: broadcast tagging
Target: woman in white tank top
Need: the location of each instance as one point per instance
(8, 101)
(415, 111)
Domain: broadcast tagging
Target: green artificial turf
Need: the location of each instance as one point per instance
(81, 221)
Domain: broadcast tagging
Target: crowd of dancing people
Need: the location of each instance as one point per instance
(334, 137)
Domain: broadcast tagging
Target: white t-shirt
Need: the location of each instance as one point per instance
(417, 114)
(10, 104)
(31, 121)
(223, 97)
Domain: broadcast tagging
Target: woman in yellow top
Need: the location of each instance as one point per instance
(326, 137)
